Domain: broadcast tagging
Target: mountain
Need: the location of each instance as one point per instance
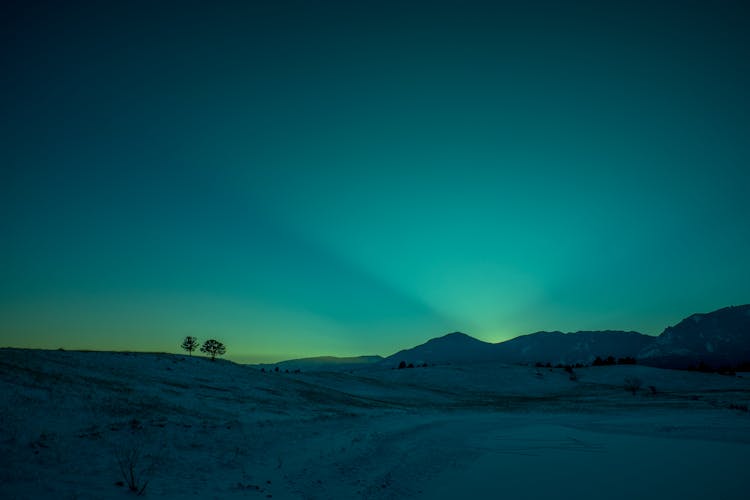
(323, 363)
(717, 339)
(553, 347)
(571, 348)
(455, 347)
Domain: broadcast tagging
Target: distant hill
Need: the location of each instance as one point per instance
(717, 339)
(322, 363)
(455, 347)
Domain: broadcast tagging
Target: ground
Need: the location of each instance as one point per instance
(190, 428)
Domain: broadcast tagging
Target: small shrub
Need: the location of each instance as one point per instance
(402, 365)
(133, 469)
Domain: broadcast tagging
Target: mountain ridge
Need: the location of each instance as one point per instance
(714, 339)
(548, 347)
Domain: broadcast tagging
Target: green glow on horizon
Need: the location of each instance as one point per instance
(346, 180)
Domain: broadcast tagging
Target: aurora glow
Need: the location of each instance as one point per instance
(355, 178)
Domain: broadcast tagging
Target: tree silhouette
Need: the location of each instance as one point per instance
(633, 384)
(213, 348)
(190, 344)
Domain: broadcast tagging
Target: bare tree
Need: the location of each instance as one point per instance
(213, 348)
(190, 344)
(633, 384)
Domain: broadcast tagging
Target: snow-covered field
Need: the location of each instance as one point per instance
(190, 428)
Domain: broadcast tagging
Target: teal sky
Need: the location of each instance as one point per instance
(344, 178)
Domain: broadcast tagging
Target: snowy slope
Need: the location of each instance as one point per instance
(222, 430)
(323, 363)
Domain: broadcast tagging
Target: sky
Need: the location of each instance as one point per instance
(349, 178)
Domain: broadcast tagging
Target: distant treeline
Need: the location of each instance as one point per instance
(277, 370)
(723, 370)
(599, 361)
(403, 365)
(702, 366)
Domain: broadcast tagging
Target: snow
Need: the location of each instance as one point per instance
(222, 430)
(556, 461)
